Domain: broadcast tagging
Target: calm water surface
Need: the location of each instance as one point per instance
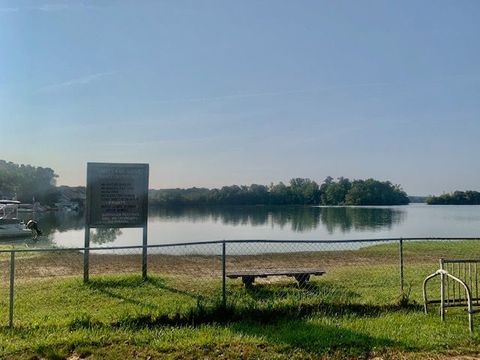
(291, 223)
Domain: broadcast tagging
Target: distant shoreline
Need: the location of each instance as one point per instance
(456, 198)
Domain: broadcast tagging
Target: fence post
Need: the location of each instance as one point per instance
(224, 275)
(12, 286)
(442, 292)
(86, 254)
(401, 265)
(144, 252)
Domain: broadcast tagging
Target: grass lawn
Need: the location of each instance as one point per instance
(352, 312)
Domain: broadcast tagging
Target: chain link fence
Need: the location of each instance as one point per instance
(46, 286)
(309, 272)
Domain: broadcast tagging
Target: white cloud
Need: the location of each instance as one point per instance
(9, 10)
(84, 80)
(50, 7)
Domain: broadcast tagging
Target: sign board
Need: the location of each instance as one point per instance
(117, 195)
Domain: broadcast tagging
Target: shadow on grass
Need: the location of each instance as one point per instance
(314, 294)
(263, 303)
(109, 287)
(217, 314)
(101, 283)
(325, 291)
(159, 283)
(287, 338)
(318, 339)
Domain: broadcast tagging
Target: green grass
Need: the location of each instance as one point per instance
(453, 248)
(352, 312)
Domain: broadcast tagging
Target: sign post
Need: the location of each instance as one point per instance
(117, 197)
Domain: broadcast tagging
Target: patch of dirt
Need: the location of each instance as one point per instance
(51, 264)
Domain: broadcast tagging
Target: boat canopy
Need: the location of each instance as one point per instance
(9, 209)
(8, 202)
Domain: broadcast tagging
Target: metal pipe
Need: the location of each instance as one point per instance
(145, 252)
(86, 255)
(401, 265)
(442, 291)
(12, 287)
(224, 275)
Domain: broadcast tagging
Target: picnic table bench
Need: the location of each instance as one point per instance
(301, 275)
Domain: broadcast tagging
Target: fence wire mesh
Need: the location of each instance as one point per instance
(49, 286)
(332, 272)
(192, 270)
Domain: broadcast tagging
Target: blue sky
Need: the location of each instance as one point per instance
(213, 93)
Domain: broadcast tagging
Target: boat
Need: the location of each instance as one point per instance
(10, 225)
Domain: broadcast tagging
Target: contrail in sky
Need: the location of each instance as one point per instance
(436, 81)
(84, 80)
(269, 93)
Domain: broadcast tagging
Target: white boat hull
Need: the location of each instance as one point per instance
(10, 225)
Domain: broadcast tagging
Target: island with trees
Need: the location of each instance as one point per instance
(298, 191)
(456, 198)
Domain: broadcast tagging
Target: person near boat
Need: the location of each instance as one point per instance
(33, 226)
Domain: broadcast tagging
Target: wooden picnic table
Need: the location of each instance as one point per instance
(302, 275)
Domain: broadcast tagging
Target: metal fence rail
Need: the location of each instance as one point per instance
(223, 272)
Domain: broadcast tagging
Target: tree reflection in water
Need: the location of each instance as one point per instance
(296, 218)
(345, 219)
(299, 218)
(105, 235)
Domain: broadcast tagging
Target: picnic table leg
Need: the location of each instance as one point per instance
(248, 280)
(302, 279)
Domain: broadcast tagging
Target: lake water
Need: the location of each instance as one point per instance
(65, 229)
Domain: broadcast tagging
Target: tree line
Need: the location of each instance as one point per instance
(456, 198)
(26, 182)
(299, 191)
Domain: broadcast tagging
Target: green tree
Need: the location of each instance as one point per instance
(374, 192)
(334, 192)
(28, 182)
(456, 198)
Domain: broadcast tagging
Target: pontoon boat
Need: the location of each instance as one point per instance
(10, 225)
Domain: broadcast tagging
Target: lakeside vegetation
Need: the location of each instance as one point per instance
(456, 198)
(28, 182)
(299, 191)
(354, 311)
